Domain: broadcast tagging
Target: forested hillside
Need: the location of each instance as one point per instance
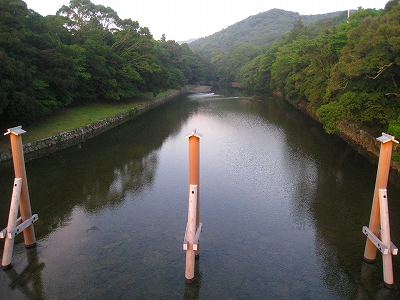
(349, 72)
(85, 52)
(258, 30)
(227, 51)
(338, 69)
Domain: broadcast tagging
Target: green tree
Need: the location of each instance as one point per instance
(29, 45)
(369, 66)
(84, 13)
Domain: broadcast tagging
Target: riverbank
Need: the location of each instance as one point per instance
(72, 137)
(361, 140)
(200, 89)
(364, 142)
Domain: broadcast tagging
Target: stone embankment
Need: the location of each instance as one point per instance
(361, 140)
(366, 144)
(72, 137)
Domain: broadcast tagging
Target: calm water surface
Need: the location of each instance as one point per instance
(282, 204)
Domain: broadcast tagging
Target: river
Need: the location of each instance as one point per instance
(282, 205)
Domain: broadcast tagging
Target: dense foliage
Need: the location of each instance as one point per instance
(348, 72)
(230, 49)
(258, 30)
(339, 70)
(84, 52)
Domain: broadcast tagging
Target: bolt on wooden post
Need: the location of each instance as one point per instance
(193, 227)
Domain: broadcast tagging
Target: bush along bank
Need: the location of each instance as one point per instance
(362, 141)
(69, 138)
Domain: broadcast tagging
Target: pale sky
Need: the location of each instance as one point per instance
(181, 20)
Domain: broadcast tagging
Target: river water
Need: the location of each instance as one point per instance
(281, 202)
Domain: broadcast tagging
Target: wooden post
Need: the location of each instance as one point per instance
(20, 172)
(193, 227)
(385, 237)
(382, 177)
(194, 172)
(12, 223)
(190, 234)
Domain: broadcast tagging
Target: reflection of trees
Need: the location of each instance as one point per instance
(133, 177)
(101, 171)
(327, 192)
(334, 195)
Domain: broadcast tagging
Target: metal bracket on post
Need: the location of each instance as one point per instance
(16, 225)
(378, 243)
(15, 130)
(196, 238)
(195, 133)
(20, 227)
(384, 138)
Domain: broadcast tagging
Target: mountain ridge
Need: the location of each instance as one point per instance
(259, 30)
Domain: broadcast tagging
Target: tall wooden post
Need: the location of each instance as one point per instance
(382, 177)
(194, 172)
(20, 172)
(193, 227)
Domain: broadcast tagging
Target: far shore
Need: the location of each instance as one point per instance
(46, 145)
(200, 89)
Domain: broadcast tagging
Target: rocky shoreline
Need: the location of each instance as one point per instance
(69, 138)
(362, 141)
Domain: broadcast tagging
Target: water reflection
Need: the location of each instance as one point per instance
(75, 176)
(282, 205)
(29, 280)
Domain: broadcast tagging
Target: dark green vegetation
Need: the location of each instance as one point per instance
(339, 70)
(230, 49)
(348, 72)
(84, 53)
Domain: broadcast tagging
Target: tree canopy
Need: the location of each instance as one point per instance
(338, 69)
(347, 72)
(229, 50)
(83, 53)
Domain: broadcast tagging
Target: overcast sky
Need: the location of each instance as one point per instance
(181, 20)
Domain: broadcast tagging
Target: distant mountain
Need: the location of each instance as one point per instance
(259, 30)
(187, 41)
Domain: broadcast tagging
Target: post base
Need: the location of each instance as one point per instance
(389, 286)
(369, 261)
(189, 280)
(30, 246)
(5, 268)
